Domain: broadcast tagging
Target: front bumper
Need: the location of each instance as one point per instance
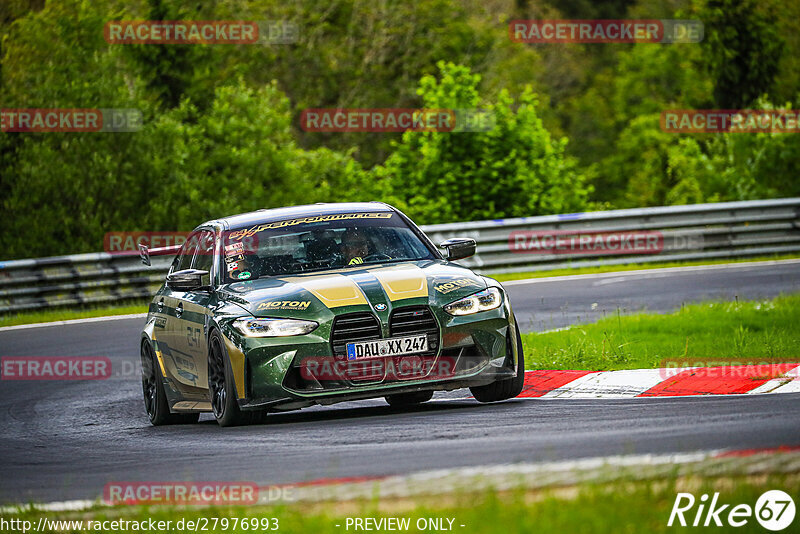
(471, 351)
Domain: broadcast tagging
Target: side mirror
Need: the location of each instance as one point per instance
(189, 280)
(459, 248)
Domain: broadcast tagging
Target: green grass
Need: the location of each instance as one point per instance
(47, 316)
(507, 277)
(745, 331)
(618, 508)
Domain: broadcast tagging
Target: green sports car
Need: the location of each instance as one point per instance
(285, 308)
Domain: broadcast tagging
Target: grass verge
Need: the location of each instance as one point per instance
(507, 277)
(48, 316)
(743, 331)
(624, 507)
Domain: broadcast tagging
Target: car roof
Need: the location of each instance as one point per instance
(234, 222)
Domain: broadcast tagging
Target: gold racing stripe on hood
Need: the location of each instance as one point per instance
(402, 281)
(333, 290)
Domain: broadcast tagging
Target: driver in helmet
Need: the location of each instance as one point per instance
(355, 246)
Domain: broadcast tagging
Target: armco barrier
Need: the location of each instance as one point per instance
(700, 231)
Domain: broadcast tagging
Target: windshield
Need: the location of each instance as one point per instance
(319, 243)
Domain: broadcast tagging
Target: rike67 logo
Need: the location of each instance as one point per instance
(774, 510)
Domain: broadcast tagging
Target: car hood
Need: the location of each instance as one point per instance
(353, 289)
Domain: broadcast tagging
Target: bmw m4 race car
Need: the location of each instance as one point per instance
(285, 308)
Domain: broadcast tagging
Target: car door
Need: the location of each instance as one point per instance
(179, 365)
(191, 316)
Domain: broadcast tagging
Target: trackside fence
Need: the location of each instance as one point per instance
(670, 233)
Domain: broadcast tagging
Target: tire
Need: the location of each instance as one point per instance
(507, 388)
(222, 387)
(155, 400)
(409, 399)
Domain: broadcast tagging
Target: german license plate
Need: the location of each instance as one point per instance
(380, 348)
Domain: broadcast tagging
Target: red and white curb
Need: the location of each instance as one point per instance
(674, 382)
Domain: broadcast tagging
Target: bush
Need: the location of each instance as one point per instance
(516, 169)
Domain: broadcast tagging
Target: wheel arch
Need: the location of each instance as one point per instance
(235, 356)
(148, 336)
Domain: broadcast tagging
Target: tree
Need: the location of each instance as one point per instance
(743, 49)
(750, 166)
(515, 169)
(172, 72)
(62, 191)
(650, 167)
(238, 155)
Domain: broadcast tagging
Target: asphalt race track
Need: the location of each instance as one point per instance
(66, 440)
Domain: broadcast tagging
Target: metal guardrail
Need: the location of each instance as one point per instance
(692, 232)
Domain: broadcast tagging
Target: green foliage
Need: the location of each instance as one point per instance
(514, 169)
(756, 165)
(632, 162)
(170, 71)
(645, 79)
(235, 157)
(183, 168)
(238, 156)
(220, 129)
(366, 54)
(743, 48)
(654, 168)
(63, 191)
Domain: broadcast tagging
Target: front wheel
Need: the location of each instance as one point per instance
(508, 388)
(222, 388)
(155, 400)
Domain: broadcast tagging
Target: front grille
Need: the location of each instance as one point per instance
(353, 327)
(364, 326)
(411, 320)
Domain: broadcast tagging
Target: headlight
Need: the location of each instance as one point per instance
(488, 299)
(253, 327)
